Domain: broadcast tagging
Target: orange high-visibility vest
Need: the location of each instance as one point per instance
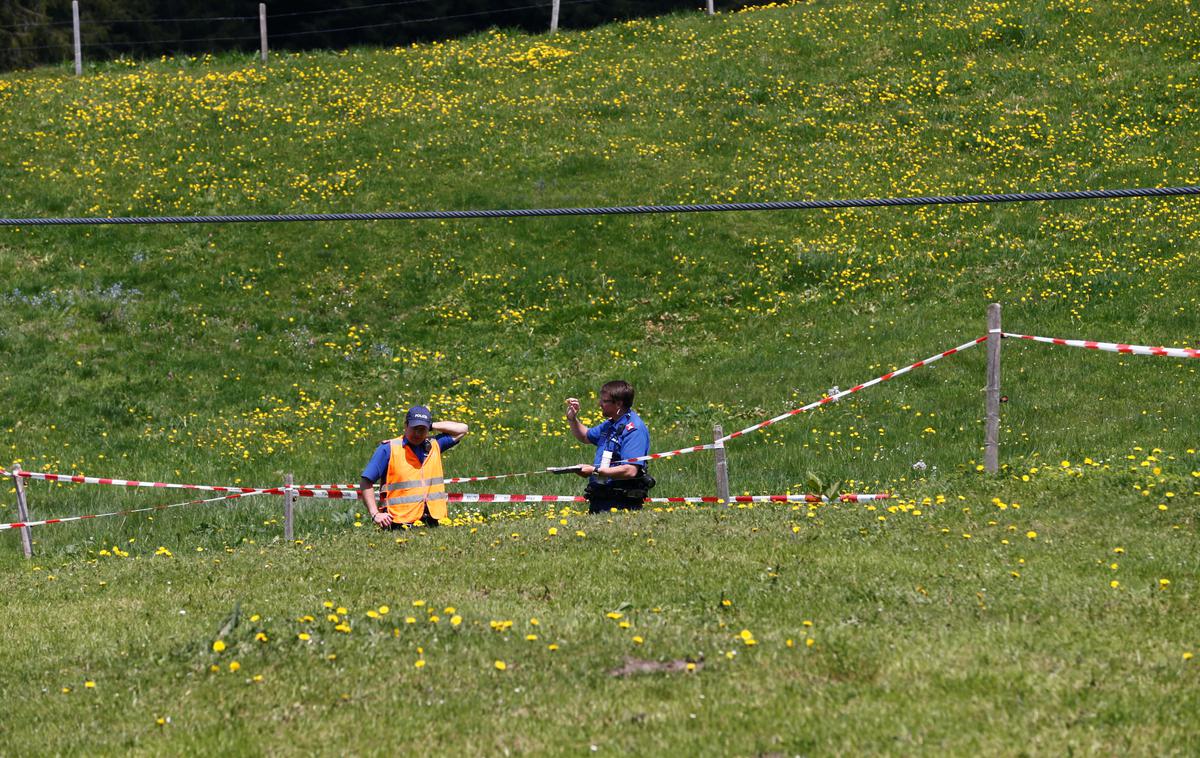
(411, 486)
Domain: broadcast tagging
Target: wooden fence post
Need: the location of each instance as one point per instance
(722, 468)
(22, 513)
(289, 507)
(711, 10)
(262, 29)
(78, 43)
(991, 445)
(554, 17)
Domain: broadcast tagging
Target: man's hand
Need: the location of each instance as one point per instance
(586, 470)
(572, 408)
(382, 519)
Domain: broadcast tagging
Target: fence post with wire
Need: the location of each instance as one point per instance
(22, 512)
(262, 30)
(991, 444)
(78, 42)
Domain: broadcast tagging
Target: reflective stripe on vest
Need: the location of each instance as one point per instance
(411, 486)
(413, 483)
(417, 498)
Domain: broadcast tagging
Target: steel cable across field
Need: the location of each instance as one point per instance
(785, 205)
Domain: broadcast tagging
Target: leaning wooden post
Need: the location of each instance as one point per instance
(721, 465)
(22, 512)
(554, 17)
(262, 30)
(78, 43)
(289, 507)
(991, 446)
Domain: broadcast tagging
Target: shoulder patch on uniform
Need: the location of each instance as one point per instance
(630, 426)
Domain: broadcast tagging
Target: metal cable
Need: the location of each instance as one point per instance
(792, 205)
(405, 22)
(343, 10)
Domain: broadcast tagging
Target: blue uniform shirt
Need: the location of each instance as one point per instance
(625, 437)
(377, 468)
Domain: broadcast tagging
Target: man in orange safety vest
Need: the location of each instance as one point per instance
(410, 467)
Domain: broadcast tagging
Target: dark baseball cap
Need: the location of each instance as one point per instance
(419, 415)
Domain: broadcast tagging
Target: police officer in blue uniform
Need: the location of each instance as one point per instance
(622, 435)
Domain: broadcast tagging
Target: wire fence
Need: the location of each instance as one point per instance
(38, 40)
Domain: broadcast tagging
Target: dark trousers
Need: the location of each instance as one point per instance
(623, 495)
(603, 503)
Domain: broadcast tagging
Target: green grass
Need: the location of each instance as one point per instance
(237, 354)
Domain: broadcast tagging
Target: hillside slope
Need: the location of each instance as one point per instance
(237, 352)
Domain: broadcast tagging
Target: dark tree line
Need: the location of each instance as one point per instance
(34, 32)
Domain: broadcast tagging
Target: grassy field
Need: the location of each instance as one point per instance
(1045, 610)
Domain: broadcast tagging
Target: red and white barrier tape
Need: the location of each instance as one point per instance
(857, 388)
(1112, 347)
(823, 401)
(468, 497)
(79, 479)
(324, 493)
(64, 519)
(350, 492)
(473, 497)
